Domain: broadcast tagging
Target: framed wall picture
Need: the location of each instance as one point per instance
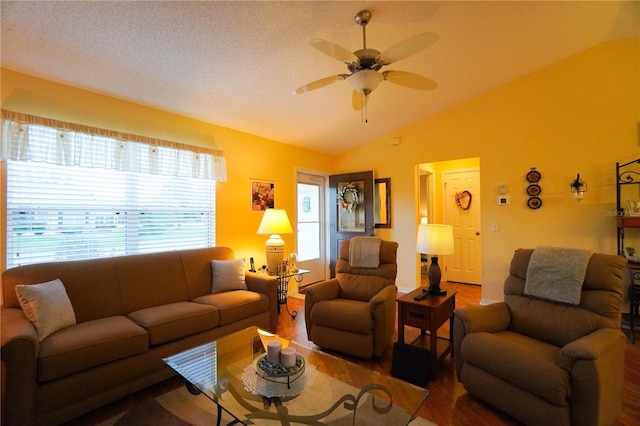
(634, 207)
(263, 195)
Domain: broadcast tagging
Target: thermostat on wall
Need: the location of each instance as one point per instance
(503, 200)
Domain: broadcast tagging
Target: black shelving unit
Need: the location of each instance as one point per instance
(629, 174)
(626, 174)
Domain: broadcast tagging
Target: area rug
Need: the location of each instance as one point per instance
(180, 408)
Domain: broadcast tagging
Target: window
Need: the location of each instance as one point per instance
(308, 221)
(60, 212)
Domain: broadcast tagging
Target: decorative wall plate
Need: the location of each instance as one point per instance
(534, 203)
(534, 189)
(533, 176)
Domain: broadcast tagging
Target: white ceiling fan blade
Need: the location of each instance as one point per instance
(406, 48)
(333, 50)
(358, 100)
(319, 83)
(409, 79)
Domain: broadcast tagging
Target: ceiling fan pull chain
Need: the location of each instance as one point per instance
(365, 113)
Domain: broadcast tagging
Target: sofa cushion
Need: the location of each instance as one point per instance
(235, 305)
(343, 314)
(47, 306)
(227, 275)
(197, 267)
(89, 344)
(152, 279)
(173, 321)
(82, 279)
(529, 364)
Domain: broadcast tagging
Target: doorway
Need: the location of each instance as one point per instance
(311, 228)
(449, 193)
(352, 214)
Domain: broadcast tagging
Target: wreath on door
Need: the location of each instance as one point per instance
(463, 199)
(347, 195)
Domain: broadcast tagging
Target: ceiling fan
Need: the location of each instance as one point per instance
(364, 65)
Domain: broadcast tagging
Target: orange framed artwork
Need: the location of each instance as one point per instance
(263, 195)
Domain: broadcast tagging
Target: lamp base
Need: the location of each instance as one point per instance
(436, 291)
(275, 253)
(434, 274)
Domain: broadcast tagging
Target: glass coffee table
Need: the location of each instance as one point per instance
(319, 388)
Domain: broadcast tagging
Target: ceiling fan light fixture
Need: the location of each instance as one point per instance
(365, 81)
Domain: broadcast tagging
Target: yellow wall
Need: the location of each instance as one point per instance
(247, 156)
(579, 115)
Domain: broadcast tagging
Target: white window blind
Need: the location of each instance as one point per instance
(59, 212)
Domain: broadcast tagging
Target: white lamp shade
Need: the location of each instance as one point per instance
(365, 81)
(435, 239)
(275, 221)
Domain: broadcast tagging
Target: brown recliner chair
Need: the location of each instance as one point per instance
(543, 362)
(354, 313)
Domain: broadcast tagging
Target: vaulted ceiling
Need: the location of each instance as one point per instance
(235, 63)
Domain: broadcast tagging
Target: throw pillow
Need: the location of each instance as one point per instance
(47, 306)
(227, 275)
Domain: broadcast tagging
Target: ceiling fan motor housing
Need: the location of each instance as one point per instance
(367, 60)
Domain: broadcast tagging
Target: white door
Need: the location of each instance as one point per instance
(310, 227)
(465, 264)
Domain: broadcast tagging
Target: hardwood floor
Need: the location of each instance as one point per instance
(447, 404)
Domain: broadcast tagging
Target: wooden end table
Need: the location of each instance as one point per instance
(428, 314)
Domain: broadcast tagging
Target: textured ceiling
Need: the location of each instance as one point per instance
(235, 63)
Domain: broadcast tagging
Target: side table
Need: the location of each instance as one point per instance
(428, 314)
(283, 287)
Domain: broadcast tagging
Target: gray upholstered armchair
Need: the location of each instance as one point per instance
(355, 312)
(546, 362)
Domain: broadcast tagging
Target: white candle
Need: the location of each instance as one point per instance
(288, 356)
(274, 347)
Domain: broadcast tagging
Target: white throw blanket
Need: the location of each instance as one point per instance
(364, 252)
(557, 274)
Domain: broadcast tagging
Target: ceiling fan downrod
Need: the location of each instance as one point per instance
(362, 18)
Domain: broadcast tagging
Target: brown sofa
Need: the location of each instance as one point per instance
(354, 313)
(545, 362)
(131, 311)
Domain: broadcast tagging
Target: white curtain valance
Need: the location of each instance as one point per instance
(30, 138)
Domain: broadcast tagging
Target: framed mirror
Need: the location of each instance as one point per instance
(382, 205)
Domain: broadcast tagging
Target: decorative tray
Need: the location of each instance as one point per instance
(267, 369)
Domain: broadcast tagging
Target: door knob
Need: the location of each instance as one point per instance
(477, 233)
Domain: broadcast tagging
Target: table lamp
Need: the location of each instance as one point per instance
(434, 239)
(274, 222)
